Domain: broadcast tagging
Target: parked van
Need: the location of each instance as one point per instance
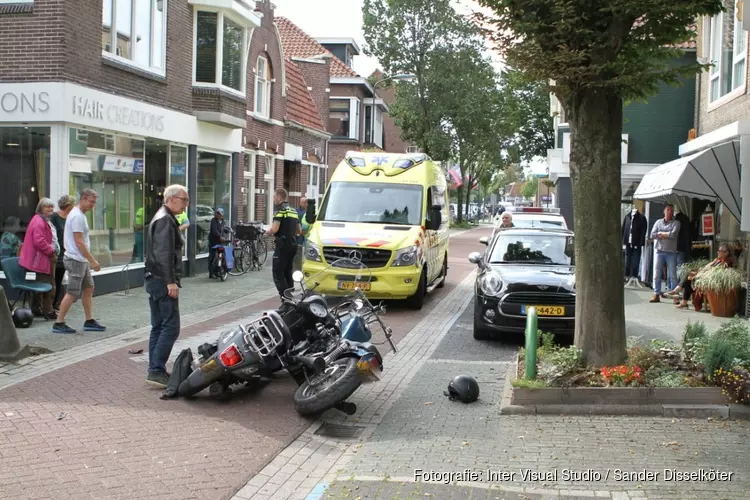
(392, 210)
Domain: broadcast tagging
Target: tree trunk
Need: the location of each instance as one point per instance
(595, 167)
(459, 203)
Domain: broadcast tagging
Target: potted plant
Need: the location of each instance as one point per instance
(720, 285)
(693, 265)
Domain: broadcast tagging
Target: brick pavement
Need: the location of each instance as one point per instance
(92, 429)
(407, 423)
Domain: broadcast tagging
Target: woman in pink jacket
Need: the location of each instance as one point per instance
(38, 252)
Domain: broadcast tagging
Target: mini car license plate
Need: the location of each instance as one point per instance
(546, 310)
(351, 285)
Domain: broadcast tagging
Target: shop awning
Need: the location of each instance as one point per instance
(712, 174)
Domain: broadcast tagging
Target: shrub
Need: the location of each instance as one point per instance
(736, 333)
(719, 353)
(694, 338)
(644, 357)
(528, 384)
(669, 379)
(735, 383)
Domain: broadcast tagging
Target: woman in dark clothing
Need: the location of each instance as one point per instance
(724, 258)
(65, 205)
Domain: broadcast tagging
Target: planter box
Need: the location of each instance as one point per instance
(618, 396)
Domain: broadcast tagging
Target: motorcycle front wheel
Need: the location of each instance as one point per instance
(324, 391)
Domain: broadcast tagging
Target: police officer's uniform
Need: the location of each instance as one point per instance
(285, 247)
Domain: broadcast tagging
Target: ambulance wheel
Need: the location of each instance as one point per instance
(444, 274)
(416, 301)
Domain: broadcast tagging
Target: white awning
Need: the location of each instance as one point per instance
(712, 174)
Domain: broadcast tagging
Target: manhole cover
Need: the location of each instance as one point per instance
(339, 431)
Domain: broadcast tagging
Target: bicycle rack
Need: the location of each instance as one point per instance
(124, 277)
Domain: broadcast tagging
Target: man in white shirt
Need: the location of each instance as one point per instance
(78, 264)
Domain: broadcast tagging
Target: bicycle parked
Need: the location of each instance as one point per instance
(223, 264)
(250, 249)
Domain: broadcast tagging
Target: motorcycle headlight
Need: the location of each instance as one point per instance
(408, 256)
(490, 284)
(312, 252)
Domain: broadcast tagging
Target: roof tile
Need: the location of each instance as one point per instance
(300, 106)
(297, 43)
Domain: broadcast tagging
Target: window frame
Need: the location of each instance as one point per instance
(267, 84)
(715, 75)
(113, 56)
(218, 80)
(250, 157)
(354, 116)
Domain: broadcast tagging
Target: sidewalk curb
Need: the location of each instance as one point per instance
(725, 412)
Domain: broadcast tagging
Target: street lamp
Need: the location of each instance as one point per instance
(402, 77)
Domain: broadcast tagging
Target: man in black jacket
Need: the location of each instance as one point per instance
(163, 272)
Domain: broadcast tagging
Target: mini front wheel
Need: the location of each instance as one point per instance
(325, 390)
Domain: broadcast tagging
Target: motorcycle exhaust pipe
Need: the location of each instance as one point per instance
(317, 364)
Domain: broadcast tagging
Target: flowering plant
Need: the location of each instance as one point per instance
(734, 383)
(622, 375)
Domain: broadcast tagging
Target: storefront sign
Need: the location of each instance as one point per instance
(707, 224)
(124, 165)
(24, 102)
(117, 115)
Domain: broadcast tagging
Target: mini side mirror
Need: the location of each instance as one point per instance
(484, 240)
(297, 276)
(475, 258)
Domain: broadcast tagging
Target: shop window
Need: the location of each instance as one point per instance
(139, 37)
(343, 117)
(178, 174)
(117, 221)
(219, 38)
(727, 50)
(263, 88)
(214, 191)
(24, 166)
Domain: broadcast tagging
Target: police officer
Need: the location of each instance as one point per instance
(285, 228)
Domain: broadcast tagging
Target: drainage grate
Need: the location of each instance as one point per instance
(339, 431)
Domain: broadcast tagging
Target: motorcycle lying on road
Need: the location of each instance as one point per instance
(327, 350)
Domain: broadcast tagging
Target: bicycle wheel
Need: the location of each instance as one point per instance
(242, 260)
(261, 251)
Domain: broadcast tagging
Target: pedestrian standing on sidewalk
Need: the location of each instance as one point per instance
(164, 245)
(65, 204)
(78, 263)
(301, 215)
(665, 233)
(285, 228)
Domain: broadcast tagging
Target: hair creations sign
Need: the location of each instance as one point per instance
(117, 116)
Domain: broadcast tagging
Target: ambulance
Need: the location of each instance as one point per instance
(392, 212)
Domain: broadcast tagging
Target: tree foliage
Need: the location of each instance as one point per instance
(529, 188)
(525, 105)
(597, 53)
(452, 111)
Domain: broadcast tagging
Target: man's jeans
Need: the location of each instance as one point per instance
(670, 258)
(165, 325)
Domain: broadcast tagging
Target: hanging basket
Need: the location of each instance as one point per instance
(722, 304)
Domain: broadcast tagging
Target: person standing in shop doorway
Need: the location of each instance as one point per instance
(162, 277)
(78, 263)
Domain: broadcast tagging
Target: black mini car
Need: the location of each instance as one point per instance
(522, 268)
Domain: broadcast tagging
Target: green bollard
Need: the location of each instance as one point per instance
(532, 341)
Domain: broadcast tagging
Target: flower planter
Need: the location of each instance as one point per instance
(722, 304)
(618, 396)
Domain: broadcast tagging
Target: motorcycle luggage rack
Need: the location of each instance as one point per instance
(264, 335)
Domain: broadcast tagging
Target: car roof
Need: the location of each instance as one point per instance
(534, 230)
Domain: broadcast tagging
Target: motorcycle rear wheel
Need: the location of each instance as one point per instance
(343, 379)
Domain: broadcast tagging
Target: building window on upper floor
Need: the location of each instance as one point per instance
(343, 117)
(220, 52)
(727, 51)
(263, 87)
(140, 35)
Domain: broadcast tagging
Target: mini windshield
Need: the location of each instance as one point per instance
(373, 202)
(533, 249)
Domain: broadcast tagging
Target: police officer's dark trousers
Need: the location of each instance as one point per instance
(283, 263)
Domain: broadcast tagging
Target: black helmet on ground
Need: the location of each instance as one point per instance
(463, 388)
(23, 317)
